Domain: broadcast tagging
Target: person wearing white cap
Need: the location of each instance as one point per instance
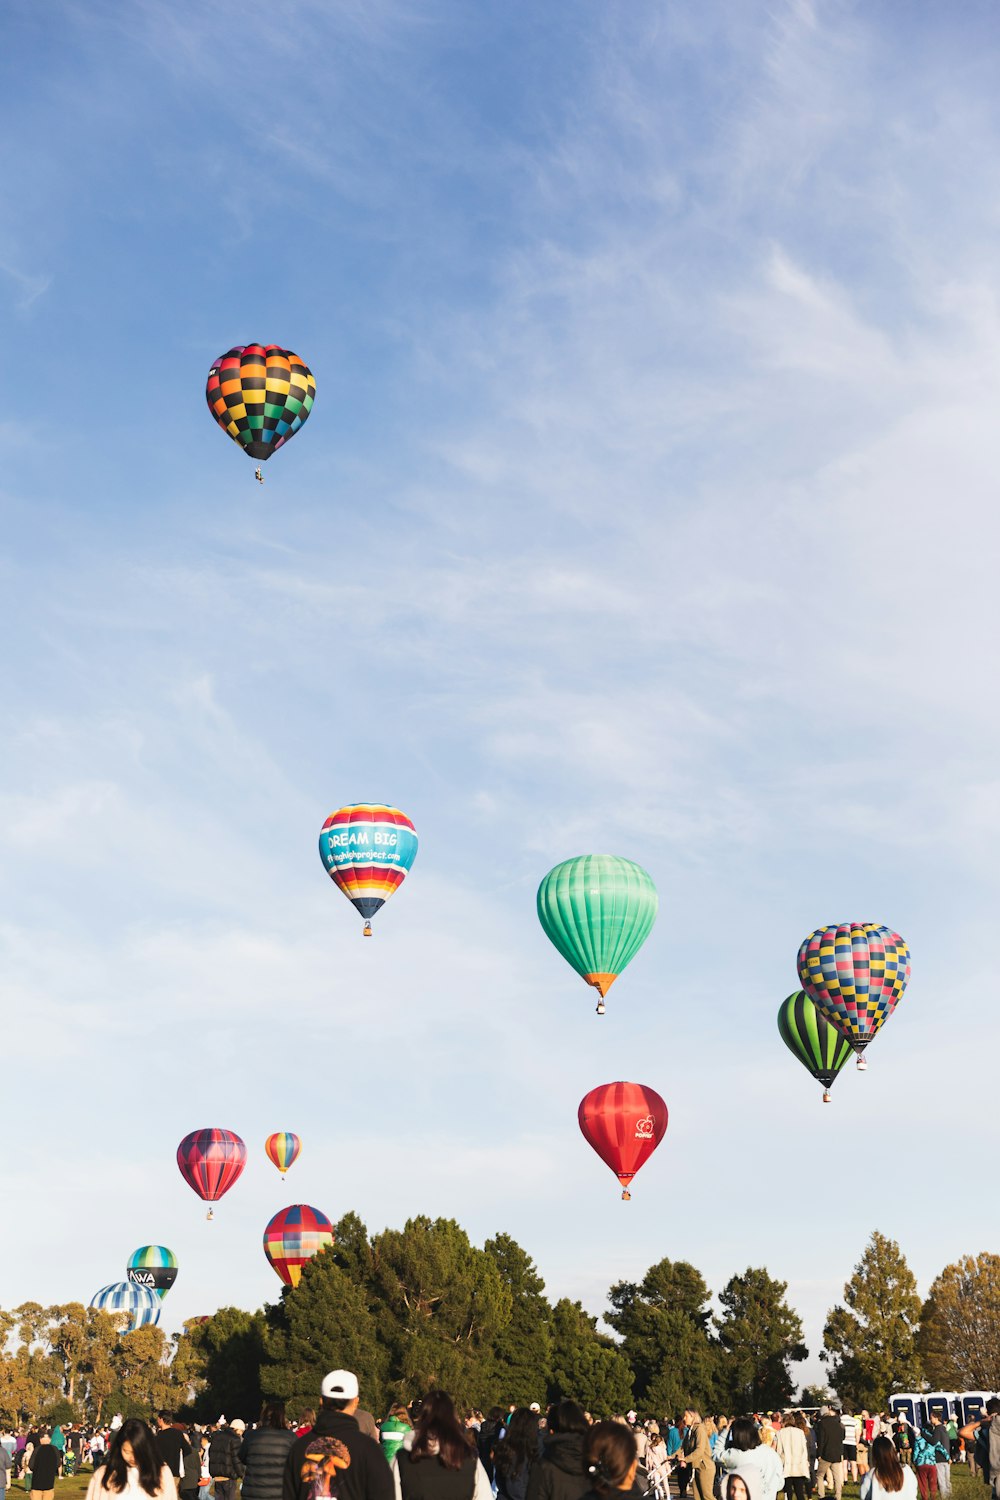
(337, 1459)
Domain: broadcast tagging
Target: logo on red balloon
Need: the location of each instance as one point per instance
(644, 1129)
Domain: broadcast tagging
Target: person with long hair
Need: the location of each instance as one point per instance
(264, 1452)
(696, 1453)
(887, 1476)
(516, 1455)
(442, 1462)
(610, 1459)
(793, 1450)
(559, 1473)
(744, 1449)
(133, 1466)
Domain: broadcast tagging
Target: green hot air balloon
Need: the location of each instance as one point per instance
(813, 1039)
(598, 911)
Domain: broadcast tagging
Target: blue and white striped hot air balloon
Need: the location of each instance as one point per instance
(140, 1302)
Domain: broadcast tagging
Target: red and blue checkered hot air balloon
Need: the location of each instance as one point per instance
(210, 1161)
(855, 974)
(294, 1236)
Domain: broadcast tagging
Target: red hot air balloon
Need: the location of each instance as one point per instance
(210, 1161)
(293, 1236)
(624, 1123)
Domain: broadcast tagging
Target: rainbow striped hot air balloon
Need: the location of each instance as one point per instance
(855, 973)
(367, 849)
(154, 1266)
(293, 1236)
(283, 1148)
(598, 910)
(810, 1037)
(140, 1303)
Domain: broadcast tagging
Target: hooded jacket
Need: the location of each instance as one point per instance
(762, 1462)
(264, 1452)
(560, 1473)
(337, 1459)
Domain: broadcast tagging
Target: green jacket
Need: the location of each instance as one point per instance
(391, 1433)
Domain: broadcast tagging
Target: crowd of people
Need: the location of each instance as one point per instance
(427, 1451)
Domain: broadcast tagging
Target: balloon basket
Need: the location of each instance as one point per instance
(626, 1196)
(367, 932)
(826, 1096)
(601, 1006)
(210, 1214)
(258, 476)
(862, 1065)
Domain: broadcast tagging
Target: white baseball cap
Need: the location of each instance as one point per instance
(534, 1406)
(339, 1385)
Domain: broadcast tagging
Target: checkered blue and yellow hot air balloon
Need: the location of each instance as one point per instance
(366, 849)
(855, 973)
(282, 1149)
(139, 1303)
(154, 1266)
(598, 910)
(260, 394)
(814, 1040)
(293, 1236)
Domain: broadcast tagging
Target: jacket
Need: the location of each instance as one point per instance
(829, 1439)
(924, 1451)
(428, 1479)
(263, 1453)
(761, 1461)
(223, 1454)
(339, 1456)
(791, 1447)
(391, 1436)
(560, 1473)
(695, 1450)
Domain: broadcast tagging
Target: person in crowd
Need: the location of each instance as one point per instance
(697, 1454)
(516, 1455)
(224, 1465)
(6, 1465)
(189, 1482)
(793, 1451)
(902, 1437)
(610, 1458)
(925, 1462)
(307, 1421)
(337, 1446)
(133, 1467)
(886, 1476)
(488, 1437)
(97, 1449)
(45, 1461)
(953, 1448)
(852, 1427)
(397, 1426)
(171, 1443)
(976, 1436)
(829, 1453)
(942, 1448)
(657, 1467)
(263, 1453)
(559, 1474)
(441, 1463)
(744, 1449)
(741, 1484)
(863, 1450)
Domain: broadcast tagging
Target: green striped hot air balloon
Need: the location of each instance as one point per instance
(598, 911)
(814, 1040)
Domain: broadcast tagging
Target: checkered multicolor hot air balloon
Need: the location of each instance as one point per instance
(598, 910)
(814, 1040)
(294, 1236)
(282, 1148)
(624, 1123)
(367, 849)
(856, 973)
(154, 1266)
(139, 1302)
(210, 1161)
(261, 395)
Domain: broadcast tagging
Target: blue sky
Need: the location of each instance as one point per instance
(648, 505)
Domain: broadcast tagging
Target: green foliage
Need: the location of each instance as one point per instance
(522, 1351)
(230, 1349)
(759, 1336)
(586, 1367)
(871, 1343)
(959, 1339)
(664, 1326)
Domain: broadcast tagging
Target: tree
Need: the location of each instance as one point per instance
(523, 1348)
(814, 1395)
(959, 1340)
(232, 1344)
(871, 1343)
(664, 1324)
(586, 1366)
(760, 1336)
(68, 1336)
(324, 1322)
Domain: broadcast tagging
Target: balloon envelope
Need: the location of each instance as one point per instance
(367, 849)
(210, 1161)
(855, 973)
(260, 395)
(810, 1037)
(598, 910)
(282, 1148)
(293, 1236)
(624, 1123)
(154, 1266)
(139, 1302)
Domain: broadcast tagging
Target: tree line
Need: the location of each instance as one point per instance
(420, 1306)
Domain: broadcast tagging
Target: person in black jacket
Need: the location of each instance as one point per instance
(560, 1473)
(171, 1443)
(223, 1459)
(264, 1452)
(337, 1459)
(829, 1432)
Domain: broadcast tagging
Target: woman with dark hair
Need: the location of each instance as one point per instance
(133, 1466)
(559, 1474)
(263, 1451)
(442, 1463)
(791, 1447)
(744, 1450)
(516, 1456)
(887, 1476)
(610, 1459)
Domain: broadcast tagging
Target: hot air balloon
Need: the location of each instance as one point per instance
(624, 1122)
(367, 849)
(814, 1040)
(210, 1161)
(139, 1302)
(598, 911)
(294, 1236)
(283, 1148)
(260, 395)
(855, 973)
(154, 1266)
